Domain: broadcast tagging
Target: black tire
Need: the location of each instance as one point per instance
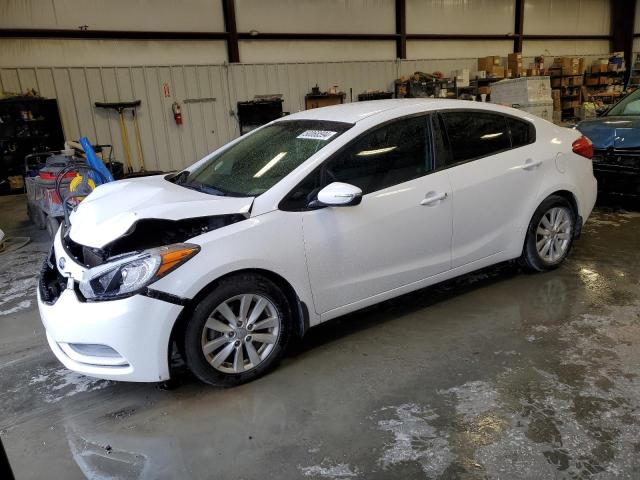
(531, 258)
(195, 330)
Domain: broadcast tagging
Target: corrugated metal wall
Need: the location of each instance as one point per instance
(207, 124)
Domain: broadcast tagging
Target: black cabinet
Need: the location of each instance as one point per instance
(255, 113)
(27, 125)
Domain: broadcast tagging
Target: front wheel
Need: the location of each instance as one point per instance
(550, 234)
(238, 332)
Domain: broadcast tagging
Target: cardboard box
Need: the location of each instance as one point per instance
(484, 63)
(604, 68)
(575, 81)
(557, 103)
(556, 82)
(516, 70)
(514, 58)
(481, 74)
(507, 73)
(485, 90)
(569, 65)
(591, 81)
(605, 81)
(533, 72)
(461, 76)
(557, 116)
(495, 71)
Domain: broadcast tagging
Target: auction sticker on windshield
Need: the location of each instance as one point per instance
(317, 134)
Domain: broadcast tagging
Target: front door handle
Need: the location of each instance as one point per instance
(530, 164)
(432, 198)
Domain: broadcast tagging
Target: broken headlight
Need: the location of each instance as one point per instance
(129, 274)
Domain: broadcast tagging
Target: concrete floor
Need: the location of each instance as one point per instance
(499, 374)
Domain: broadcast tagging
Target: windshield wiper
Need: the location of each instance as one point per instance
(201, 187)
(181, 177)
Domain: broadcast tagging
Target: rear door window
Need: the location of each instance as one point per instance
(475, 134)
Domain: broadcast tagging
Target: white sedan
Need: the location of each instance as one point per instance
(310, 217)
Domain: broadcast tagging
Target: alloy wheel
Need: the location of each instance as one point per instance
(553, 234)
(241, 333)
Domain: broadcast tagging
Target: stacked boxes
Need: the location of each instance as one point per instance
(568, 66)
(461, 76)
(492, 65)
(514, 63)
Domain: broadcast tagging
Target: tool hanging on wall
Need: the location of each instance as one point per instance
(121, 107)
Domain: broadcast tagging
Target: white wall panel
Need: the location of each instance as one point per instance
(567, 17)
(460, 16)
(81, 53)
(207, 125)
(327, 16)
(279, 51)
(565, 47)
(147, 15)
(437, 49)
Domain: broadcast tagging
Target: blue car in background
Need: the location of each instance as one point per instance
(616, 147)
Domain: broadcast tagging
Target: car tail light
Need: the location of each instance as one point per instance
(583, 147)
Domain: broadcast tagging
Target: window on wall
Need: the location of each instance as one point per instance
(389, 155)
(475, 134)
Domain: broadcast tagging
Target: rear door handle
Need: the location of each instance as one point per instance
(432, 198)
(530, 164)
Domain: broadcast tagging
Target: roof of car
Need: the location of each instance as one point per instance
(356, 111)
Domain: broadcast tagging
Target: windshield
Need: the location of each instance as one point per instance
(260, 160)
(629, 105)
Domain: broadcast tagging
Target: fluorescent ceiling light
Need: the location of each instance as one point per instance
(270, 164)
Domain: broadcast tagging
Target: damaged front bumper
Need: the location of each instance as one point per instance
(127, 339)
(617, 171)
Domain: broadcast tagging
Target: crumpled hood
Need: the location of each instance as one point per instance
(113, 208)
(616, 132)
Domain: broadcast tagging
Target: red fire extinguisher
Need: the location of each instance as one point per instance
(177, 114)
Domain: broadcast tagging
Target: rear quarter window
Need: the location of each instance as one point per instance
(522, 133)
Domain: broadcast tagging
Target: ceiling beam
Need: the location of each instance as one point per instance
(108, 34)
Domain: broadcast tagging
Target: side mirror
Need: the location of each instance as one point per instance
(339, 194)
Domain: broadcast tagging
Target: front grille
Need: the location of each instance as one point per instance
(50, 282)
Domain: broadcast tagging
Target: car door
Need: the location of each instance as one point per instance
(400, 232)
(495, 171)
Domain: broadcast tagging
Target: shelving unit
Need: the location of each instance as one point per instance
(601, 90)
(634, 78)
(27, 125)
(474, 86)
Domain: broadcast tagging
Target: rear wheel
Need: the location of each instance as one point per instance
(550, 234)
(238, 332)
